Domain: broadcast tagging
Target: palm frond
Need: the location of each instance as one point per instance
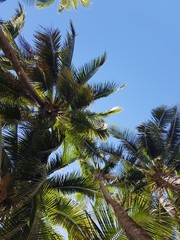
(142, 209)
(47, 47)
(105, 89)
(44, 3)
(66, 4)
(85, 73)
(66, 86)
(26, 48)
(109, 112)
(68, 213)
(12, 88)
(127, 139)
(173, 138)
(9, 112)
(104, 223)
(68, 48)
(163, 115)
(73, 182)
(16, 23)
(85, 122)
(112, 149)
(83, 98)
(54, 163)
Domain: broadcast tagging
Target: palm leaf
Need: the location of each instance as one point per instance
(173, 138)
(66, 4)
(47, 47)
(162, 115)
(44, 3)
(26, 48)
(85, 122)
(68, 213)
(73, 182)
(66, 86)
(9, 112)
(88, 70)
(105, 89)
(83, 98)
(108, 113)
(16, 23)
(105, 224)
(68, 48)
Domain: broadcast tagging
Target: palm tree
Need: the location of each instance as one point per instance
(94, 166)
(47, 86)
(153, 156)
(9, 110)
(46, 102)
(51, 85)
(140, 208)
(38, 198)
(136, 212)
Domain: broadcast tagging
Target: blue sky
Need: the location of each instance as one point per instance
(142, 41)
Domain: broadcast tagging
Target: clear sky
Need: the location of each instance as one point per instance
(142, 41)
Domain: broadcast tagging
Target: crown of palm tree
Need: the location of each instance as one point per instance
(43, 105)
(152, 157)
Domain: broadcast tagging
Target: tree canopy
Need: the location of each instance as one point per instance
(59, 173)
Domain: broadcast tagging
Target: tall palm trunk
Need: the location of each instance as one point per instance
(5, 177)
(166, 202)
(11, 54)
(0, 151)
(131, 228)
(172, 182)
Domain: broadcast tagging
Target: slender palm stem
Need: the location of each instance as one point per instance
(172, 182)
(12, 56)
(131, 228)
(0, 150)
(166, 203)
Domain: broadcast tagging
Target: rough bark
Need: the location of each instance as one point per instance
(4, 186)
(0, 151)
(10, 53)
(131, 228)
(13, 84)
(172, 182)
(166, 202)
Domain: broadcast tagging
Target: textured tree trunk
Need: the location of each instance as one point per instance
(11, 54)
(4, 177)
(166, 202)
(131, 228)
(0, 151)
(172, 182)
(4, 186)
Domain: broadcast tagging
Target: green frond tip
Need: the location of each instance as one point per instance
(121, 87)
(86, 72)
(16, 23)
(105, 89)
(109, 112)
(73, 32)
(68, 4)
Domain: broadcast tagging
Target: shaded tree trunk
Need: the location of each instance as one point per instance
(131, 228)
(0, 151)
(166, 202)
(4, 186)
(11, 54)
(5, 176)
(172, 182)
(167, 181)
